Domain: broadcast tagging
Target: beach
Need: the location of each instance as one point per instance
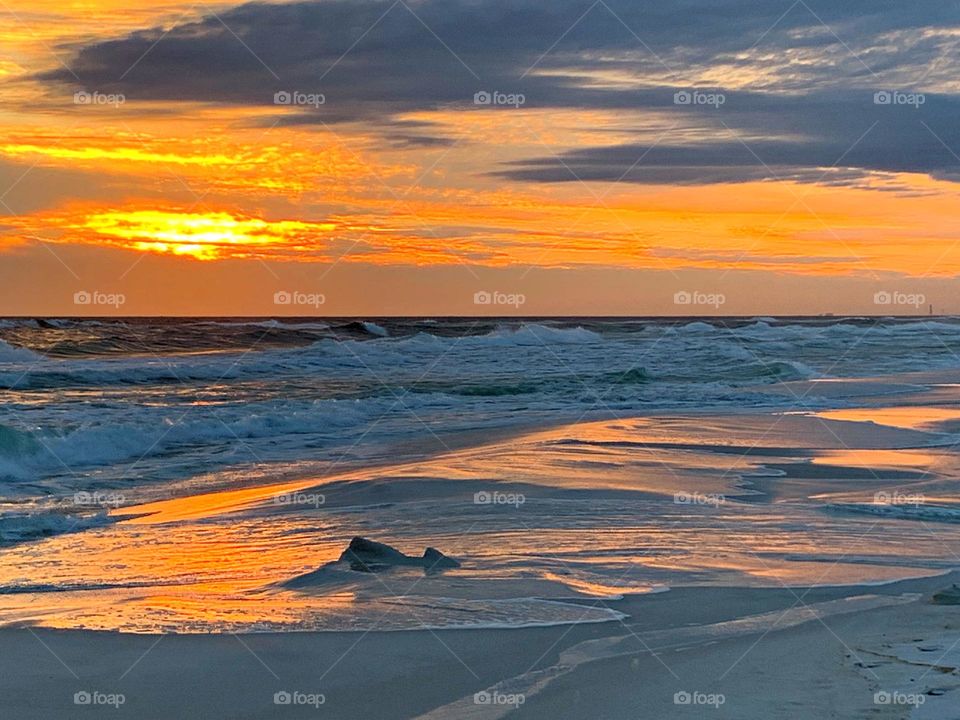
(797, 665)
(479, 360)
(734, 546)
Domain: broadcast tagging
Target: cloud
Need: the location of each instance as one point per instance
(798, 86)
(835, 137)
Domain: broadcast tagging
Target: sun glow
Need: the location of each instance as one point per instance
(204, 236)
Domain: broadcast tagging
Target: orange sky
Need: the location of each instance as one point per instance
(180, 197)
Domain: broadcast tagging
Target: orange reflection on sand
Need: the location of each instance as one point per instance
(194, 507)
(877, 458)
(184, 612)
(220, 560)
(906, 417)
(597, 589)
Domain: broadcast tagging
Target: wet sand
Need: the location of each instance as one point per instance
(790, 663)
(610, 507)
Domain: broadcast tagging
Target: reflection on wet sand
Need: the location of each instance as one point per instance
(590, 510)
(917, 417)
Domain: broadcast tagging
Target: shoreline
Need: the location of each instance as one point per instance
(873, 392)
(428, 672)
(599, 510)
(757, 591)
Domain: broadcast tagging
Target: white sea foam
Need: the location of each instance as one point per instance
(374, 329)
(920, 512)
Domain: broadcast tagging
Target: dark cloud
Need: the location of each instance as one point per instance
(375, 60)
(407, 140)
(397, 132)
(755, 137)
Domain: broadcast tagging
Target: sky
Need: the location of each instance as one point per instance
(474, 157)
